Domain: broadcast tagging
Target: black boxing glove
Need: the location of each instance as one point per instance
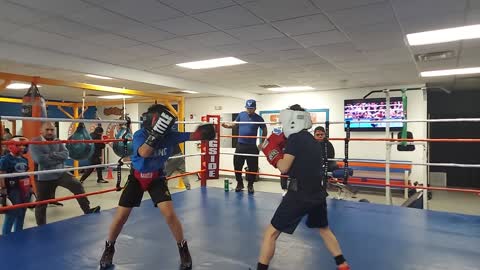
(204, 132)
(162, 126)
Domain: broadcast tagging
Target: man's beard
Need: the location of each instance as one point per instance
(49, 138)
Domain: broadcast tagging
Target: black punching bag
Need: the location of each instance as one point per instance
(119, 147)
(80, 151)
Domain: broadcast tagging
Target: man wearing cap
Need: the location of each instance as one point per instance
(247, 145)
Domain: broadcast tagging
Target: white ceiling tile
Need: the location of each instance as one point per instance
(230, 17)
(142, 51)
(19, 14)
(184, 26)
(322, 67)
(7, 28)
(59, 7)
(329, 5)
(67, 28)
(274, 10)
(390, 56)
(470, 56)
(428, 23)
(378, 36)
(431, 8)
(255, 32)
(474, 4)
(110, 41)
(144, 33)
(191, 7)
(364, 15)
(472, 43)
(307, 61)
(473, 16)
(160, 61)
(238, 49)
(101, 18)
(305, 25)
(144, 10)
(339, 52)
(179, 44)
(321, 38)
(213, 39)
(276, 44)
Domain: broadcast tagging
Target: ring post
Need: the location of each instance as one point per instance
(211, 159)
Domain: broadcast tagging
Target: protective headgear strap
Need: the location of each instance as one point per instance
(294, 121)
(15, 148)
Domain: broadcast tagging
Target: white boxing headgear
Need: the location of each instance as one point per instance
(294, 121)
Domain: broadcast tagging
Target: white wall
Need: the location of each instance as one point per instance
(332, 100)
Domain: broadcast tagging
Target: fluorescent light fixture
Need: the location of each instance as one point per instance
(98, 77)
(189, 92)
(291, 88)
(213, 63)
(20, 86)
(444, 35)
(450, 72)
(115, 97)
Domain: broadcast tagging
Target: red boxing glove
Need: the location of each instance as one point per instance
(273, 147)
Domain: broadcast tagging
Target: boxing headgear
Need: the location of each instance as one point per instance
(15, 149)
(294, 121)
(149, 118)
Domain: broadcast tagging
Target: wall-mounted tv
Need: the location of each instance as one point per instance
(370, 110)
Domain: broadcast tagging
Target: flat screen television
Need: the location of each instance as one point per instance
(370, 110)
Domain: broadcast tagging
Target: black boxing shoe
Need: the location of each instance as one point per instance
(239, 187)
(107, 257)
(250, 189)
(185, 258)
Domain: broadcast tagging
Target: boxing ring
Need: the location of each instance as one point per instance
(224, 230)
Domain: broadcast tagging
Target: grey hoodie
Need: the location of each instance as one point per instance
(48, 157)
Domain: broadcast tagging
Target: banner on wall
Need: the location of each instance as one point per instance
(318, 115)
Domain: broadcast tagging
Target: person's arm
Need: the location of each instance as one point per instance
(231, 125)
(285, 163)
(330, 150)
(42, 156)
(264, 133)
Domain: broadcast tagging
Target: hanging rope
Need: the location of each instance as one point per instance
(83, 103)
(345, 160)
(125, 145)
(404, 128)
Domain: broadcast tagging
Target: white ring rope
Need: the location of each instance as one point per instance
(8, 175)
(45, 119)
(383, 162)
(375, 121)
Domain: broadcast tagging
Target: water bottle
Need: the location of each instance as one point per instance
(226, 185)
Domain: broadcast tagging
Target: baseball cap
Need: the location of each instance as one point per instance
(251, 104)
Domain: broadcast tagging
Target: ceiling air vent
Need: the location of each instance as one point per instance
(266, 86)
(435, 56)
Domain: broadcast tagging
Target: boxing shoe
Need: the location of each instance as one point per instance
(239, 187)
(107, 257)
(185, 258)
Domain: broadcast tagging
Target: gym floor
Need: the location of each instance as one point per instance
(224, 230)
(454, 202)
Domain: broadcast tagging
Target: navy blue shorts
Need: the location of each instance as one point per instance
(294, 207)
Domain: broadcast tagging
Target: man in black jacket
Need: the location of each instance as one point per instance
(96, 158)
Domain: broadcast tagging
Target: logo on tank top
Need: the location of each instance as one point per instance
(21, 167)
(161, 152)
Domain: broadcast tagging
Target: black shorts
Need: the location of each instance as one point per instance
(294, 207)
(133, 193)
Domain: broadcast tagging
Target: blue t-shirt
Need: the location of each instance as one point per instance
(163, 151)
(12, 164)
(249, 129)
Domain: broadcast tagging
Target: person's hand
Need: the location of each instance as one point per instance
(225, 125)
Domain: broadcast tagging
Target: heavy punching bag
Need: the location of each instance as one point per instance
(80, 151)
(119, 147)
(33, 106)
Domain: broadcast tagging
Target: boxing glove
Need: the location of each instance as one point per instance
(273, 147)
(162, 126)
(204, 132)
